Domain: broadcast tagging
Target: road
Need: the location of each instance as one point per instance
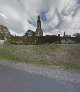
(14, 80)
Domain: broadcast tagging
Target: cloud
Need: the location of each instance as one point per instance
(57, 15)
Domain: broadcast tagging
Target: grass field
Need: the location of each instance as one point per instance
(63, 55)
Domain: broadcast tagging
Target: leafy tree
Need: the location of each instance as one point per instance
(30, 33)
(76, 34)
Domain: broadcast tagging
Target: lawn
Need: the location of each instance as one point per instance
(63, 55)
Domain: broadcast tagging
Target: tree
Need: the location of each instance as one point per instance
(30, 33)
(76, 34)
(4, 32)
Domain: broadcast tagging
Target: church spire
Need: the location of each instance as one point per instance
(38, 17)
(39, 22)
(39, 31)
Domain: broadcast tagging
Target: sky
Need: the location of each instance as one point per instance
(57, 16)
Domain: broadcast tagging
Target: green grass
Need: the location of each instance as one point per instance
(67, 66)
(66, 56)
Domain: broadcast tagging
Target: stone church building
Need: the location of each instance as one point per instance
(39, 31)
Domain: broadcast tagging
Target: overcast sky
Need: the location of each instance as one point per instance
(57, 15)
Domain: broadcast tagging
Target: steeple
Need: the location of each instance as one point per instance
(38, 17)
(64, 34)
(39, 22)
(39, 31)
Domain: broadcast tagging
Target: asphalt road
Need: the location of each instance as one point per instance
(13, 80)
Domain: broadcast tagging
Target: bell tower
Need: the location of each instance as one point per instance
(38, 23)
(39, 31)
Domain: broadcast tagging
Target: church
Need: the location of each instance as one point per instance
(39, 31)
(34, 38)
